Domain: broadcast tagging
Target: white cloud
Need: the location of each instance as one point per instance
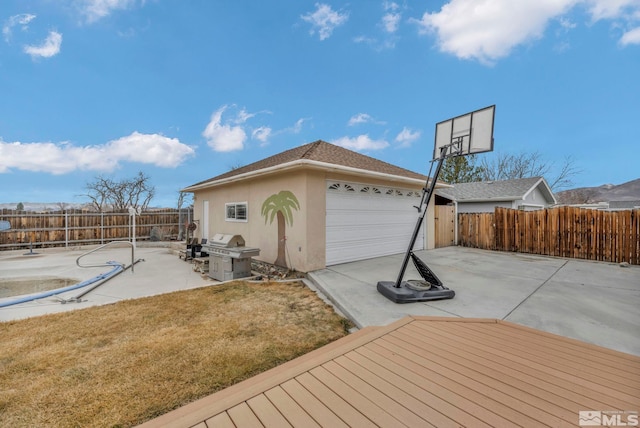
(487, 30)
(243, 116)
(297, 127)
(153, 149)
(324, 20)
(610, 9)
(262, 133)
(22, 19)
(631, 37)
(391, 19)
(64, 157)
(223, 137)
(360, 118)
(407, 136)
(50, 47)
(363, 118)
(361, 142)
(94, 10)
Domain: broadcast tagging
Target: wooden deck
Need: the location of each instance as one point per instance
(428, 372)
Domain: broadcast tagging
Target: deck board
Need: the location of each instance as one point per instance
(339, 405)
(428, 371)
(292, 411)
(561, 367)
(491, 394)
(267, 413)
(221, 420)
(585, 383)
(378, 397)
(456, 407)
(357, 399)
(323, 415)
(603, 364)
(242, 416)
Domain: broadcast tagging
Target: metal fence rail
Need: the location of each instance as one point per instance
(78, 227)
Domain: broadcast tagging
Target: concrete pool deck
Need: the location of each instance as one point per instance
(160, 272)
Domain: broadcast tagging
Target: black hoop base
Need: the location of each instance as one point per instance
(406, 294)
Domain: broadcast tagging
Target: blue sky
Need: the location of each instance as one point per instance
(186, 90)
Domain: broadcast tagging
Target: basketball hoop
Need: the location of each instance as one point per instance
(463, 135)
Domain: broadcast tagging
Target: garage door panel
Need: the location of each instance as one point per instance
(365, 226)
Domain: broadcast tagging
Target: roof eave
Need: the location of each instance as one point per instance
(302, 163)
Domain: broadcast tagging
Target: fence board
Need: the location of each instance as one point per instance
(77, 227)
(610, 236)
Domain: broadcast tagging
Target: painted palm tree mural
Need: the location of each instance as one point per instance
(280, 206)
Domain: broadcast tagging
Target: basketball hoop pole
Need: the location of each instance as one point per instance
(423, 213)
(460, 136)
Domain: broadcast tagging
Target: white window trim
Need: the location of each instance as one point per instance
(235, 204)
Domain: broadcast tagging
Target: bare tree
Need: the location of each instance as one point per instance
(183, 197)
(106, 193)
(524, 165)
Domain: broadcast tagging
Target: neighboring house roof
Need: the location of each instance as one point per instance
(318, 154)
(505, 190)
(427, 371)
(621, 205)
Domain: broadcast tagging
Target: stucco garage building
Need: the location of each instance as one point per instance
(314, 206)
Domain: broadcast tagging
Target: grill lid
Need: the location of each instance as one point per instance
(226, 240)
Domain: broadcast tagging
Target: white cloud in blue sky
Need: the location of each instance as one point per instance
(361, 143)
(224, 137)
(407, 136)
(391, 19)
(324, 20)
(48, 48)
(369, 76)
(22, 20)
(631, 37)
(490, 29)
(363, 118)
(65, 157)
(94, 10)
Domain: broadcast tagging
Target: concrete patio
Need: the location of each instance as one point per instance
(591, 301)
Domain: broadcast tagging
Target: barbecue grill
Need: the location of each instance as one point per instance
(228, 257)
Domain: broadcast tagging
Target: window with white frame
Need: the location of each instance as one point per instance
(235, 211)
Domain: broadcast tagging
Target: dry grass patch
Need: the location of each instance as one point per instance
(122, 364)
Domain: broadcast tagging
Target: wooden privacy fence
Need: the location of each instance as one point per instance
(78, 227)
(610, 236)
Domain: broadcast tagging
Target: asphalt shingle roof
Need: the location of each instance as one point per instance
(320, 151)
(481, 190)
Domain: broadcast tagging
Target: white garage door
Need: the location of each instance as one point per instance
(365, 221)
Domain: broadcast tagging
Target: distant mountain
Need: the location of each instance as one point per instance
(629, 191)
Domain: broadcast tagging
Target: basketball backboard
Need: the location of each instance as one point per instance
(466, 134)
